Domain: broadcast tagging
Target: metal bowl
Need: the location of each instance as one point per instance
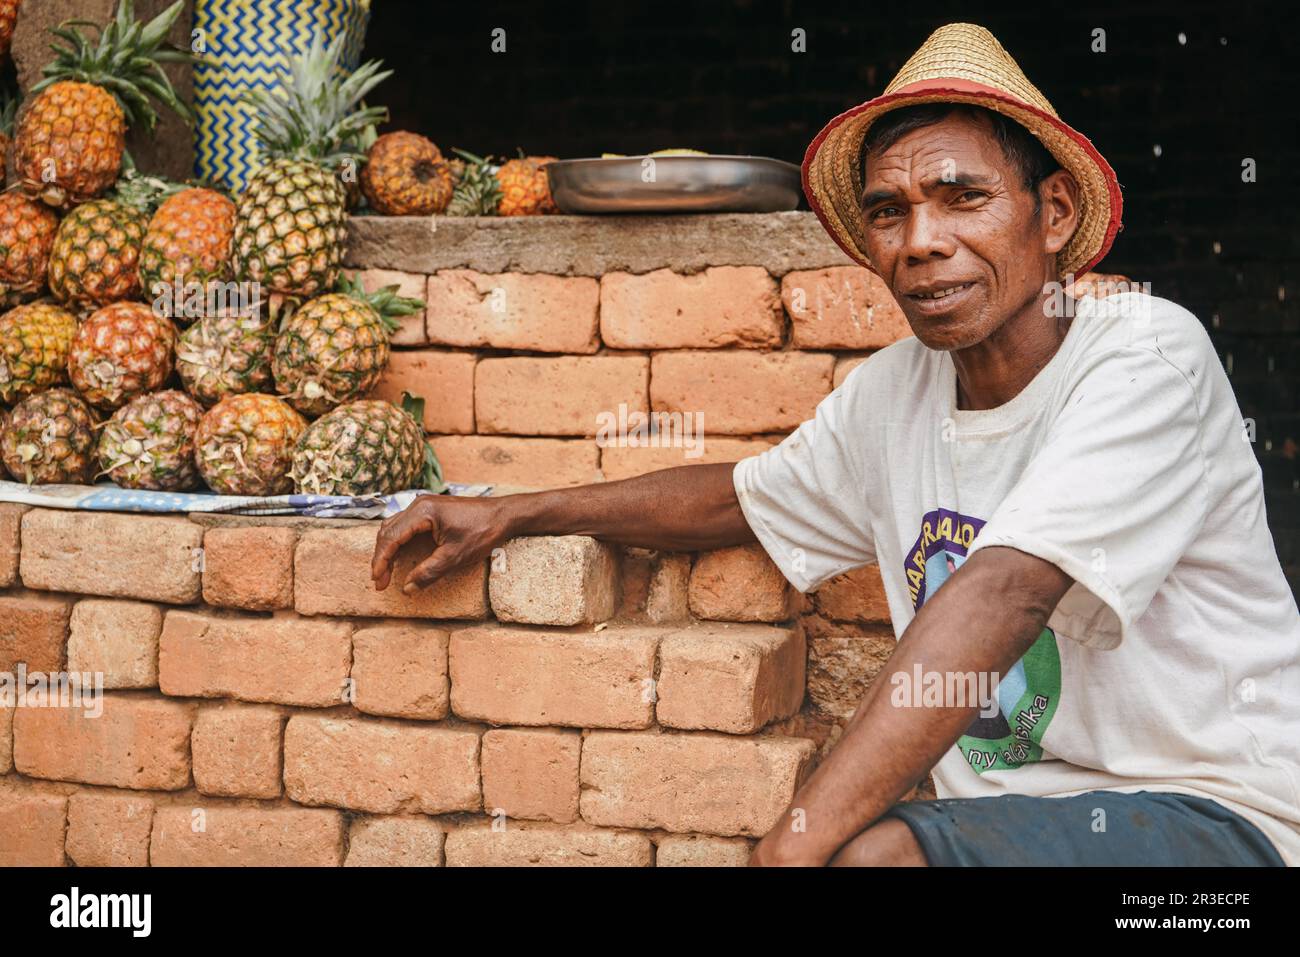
(675, 184)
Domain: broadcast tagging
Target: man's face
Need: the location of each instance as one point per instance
(946, 211)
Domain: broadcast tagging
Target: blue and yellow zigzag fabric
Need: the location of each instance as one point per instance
(248, 43)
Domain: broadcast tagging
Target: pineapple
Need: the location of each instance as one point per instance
(50, 439)
(71, 129)
(120, 352)
(244, 445)
(187, 242)
(4, 424)
(8, 106)
(35, 341)
(367, 447)
(149, 443)
(289, 223)
(96, 252)
(405, 175)
(525, 189)
(27, 230)
(8, 17)
(225, 355)
(335, 347)
(477, 192)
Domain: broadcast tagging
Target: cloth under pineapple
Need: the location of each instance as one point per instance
(107, 497)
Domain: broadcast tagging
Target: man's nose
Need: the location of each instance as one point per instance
(926, 234)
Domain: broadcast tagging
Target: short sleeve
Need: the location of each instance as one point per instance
(806, 500)
(1115, 494)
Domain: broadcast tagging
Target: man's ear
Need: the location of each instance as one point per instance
(1059, 193)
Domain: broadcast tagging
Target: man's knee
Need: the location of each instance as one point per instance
(887, 844)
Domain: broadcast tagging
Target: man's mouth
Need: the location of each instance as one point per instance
(940, 293)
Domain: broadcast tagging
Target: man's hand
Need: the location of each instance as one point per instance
(464, 530)
(692, 508)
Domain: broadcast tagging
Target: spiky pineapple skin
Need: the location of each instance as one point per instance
(8, 19)
(188, 241)
(121, 351)
(27, 231)
(95, 257)
(367, 447)
(226, 355)
(35, 341)
(68, 143)
(50, 439)
(244, 445)
(330, 351)
(290, 228)
(149, 443)
(525, 189)
(406, 175)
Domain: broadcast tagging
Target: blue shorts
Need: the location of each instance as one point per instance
(1097, 829)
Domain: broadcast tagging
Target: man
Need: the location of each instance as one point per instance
(1075, 478)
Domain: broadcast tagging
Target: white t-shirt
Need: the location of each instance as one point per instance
(1173, 662)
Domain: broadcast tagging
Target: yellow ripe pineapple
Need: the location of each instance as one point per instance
(72, 127)
(35, 341)
(406, 175)
(290, 219)
(525, 189)
(244, 445)
(187, 242)
(95, 257)
(8, 18)
(27, 230)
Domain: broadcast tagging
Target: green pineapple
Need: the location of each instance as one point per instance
(367, 447)
(477, 191)
(149, 443)
(289, 224)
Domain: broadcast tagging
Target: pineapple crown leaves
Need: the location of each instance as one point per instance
(384, 301)
(320, 118)
(145, 193)
(477, 191)
(126, 60)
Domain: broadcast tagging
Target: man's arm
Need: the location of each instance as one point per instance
(691, 508)
(983, 619)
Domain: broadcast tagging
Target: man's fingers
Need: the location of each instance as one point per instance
(393, 534)
(430, 570)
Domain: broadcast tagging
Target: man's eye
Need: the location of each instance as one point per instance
(970, 195)
(884, 211)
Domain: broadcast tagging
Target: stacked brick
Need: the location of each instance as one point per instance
(522, 357)
(563, 703)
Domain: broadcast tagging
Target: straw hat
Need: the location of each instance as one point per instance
(961, 63)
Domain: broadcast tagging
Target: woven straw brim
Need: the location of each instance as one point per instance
(832, 178)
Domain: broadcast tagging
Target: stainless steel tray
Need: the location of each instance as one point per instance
(675, 184)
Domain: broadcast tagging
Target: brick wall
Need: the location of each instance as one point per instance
(564, 703)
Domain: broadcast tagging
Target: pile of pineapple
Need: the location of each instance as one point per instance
(112, 366)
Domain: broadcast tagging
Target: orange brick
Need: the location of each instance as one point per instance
(842, 307)
(527, 463)
(530, 677)
(568, 395)
(844, 365)
(739, 584)
(118, 638)
(444, 380)
(681, 850)
(546, 845)
(671, 781)
(236, 750)
(284, 660)
(395, 842)
(32, 828)
(554, 580)
(721, 306)
(153, 557)
(513, 311)
(666, 594)
(734, 678)
(6, 738)
(109, 830)
(531, 775)
(33, 629)
(221, 836)
(332, 577)
(620, 462)
(410, 285)
(249, 567)
(11, 520)
(858, 595)
(400, 669)
(140, 743)
(383, 767)
(740, 392)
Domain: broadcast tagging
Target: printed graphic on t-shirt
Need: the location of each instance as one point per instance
(1028, 695)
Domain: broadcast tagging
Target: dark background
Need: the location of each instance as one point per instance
(578, 79)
